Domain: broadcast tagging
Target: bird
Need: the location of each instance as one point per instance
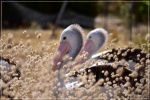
(100, 37)
(130, 56)
(95, 40)
(127, 64)
(71, 42)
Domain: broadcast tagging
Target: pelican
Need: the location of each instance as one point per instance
(71, 42)
(121, 62)
(94, 41)
(127, 57)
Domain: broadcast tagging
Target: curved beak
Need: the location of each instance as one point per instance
(63, 49)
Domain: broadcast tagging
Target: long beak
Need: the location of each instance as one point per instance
(87, 50)
(88, 47)
(63, 49)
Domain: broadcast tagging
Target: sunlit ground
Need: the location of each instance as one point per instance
(34, 36)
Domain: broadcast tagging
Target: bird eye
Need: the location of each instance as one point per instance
(90, 37)
(64, 38)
